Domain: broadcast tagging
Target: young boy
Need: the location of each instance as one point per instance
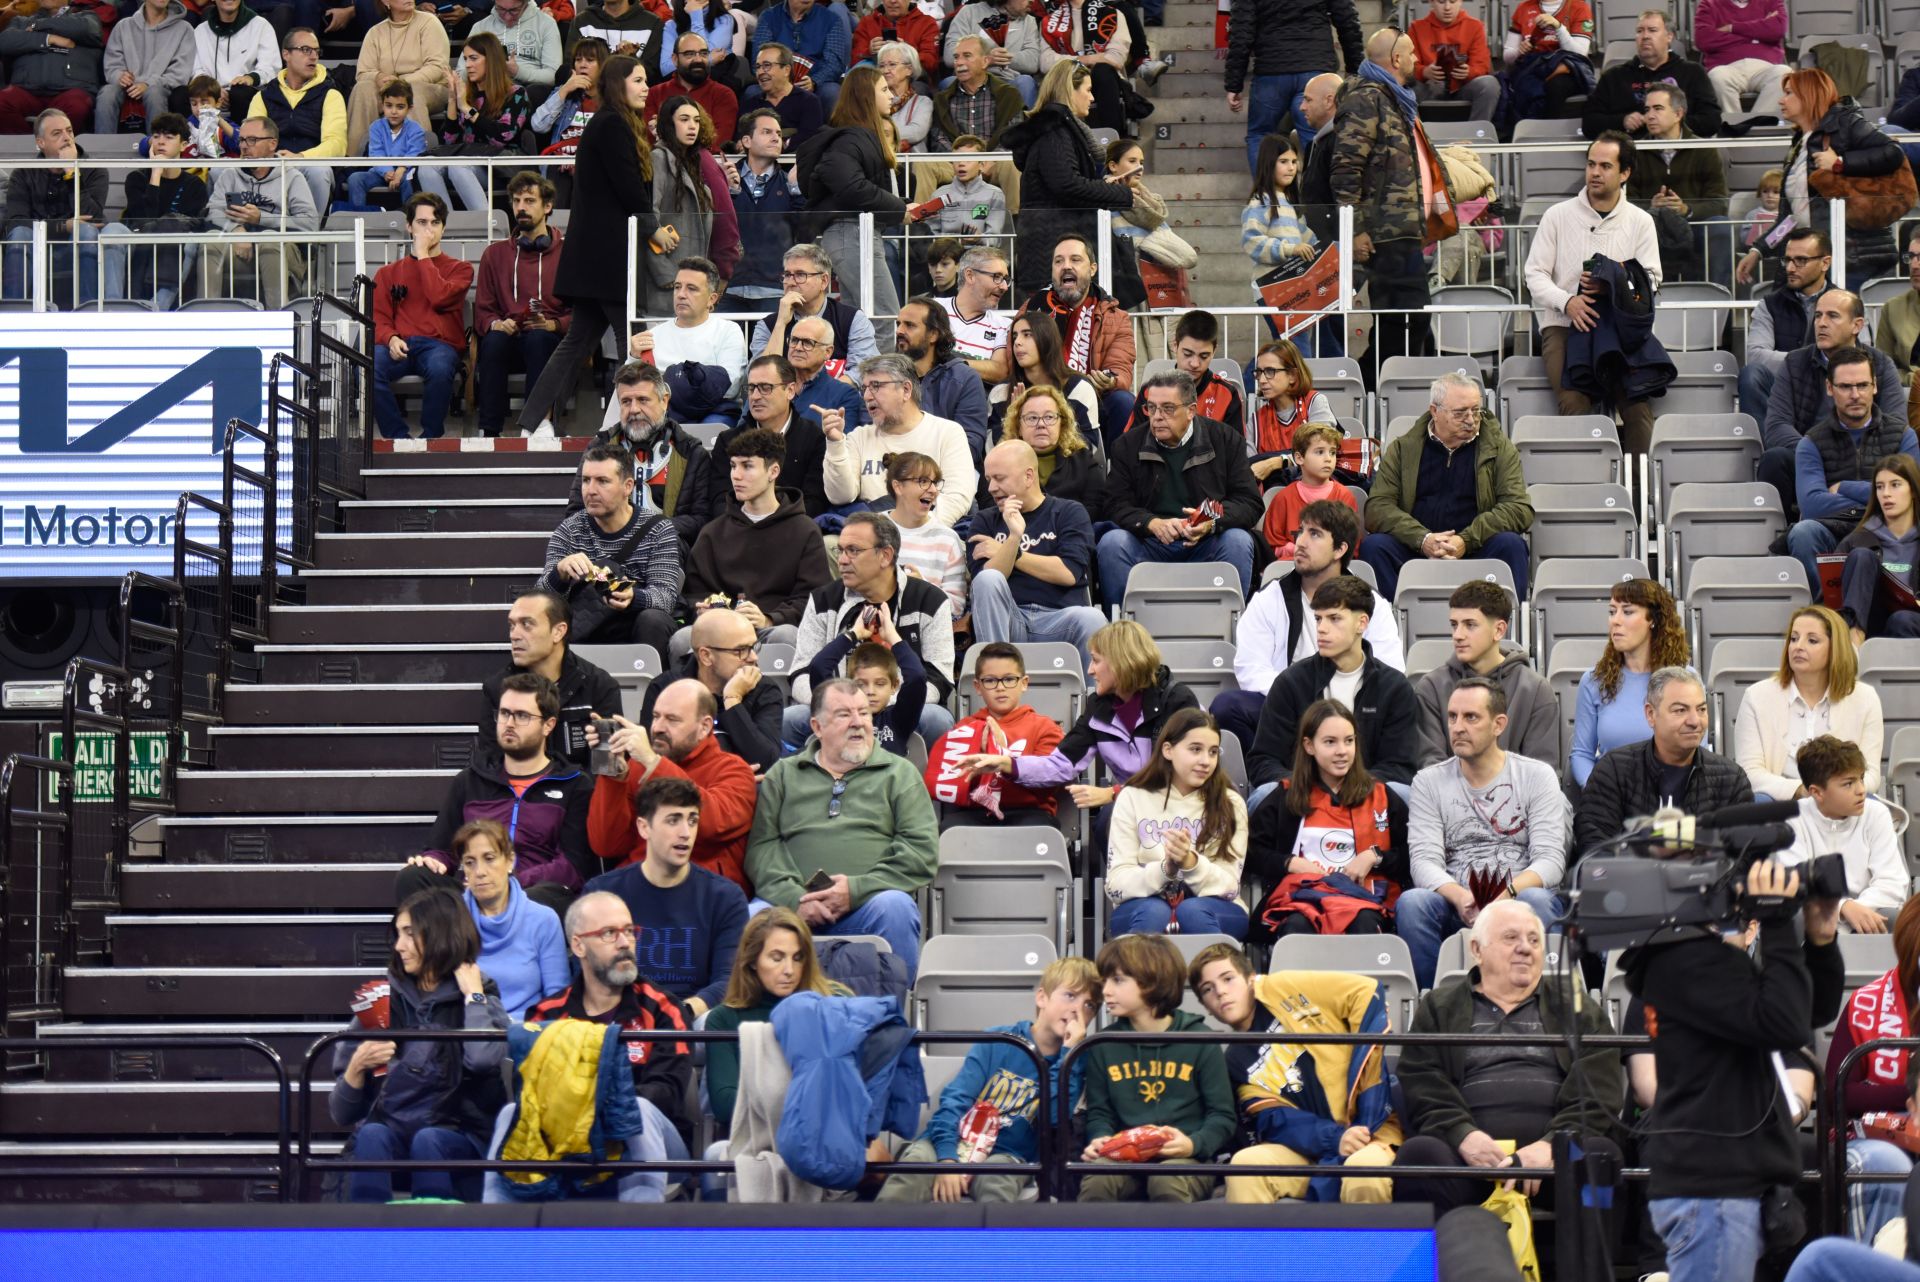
(1837, 817)
(1182, 1089)
(210, 135)
(164, 199)
(971, 207)
(1196, 338)
(943, 267)
(394, 135)
(1326, 1105)
(969, 771)
(1316, 452)
(999, 1076)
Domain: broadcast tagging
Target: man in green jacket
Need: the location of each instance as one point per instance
(1449, 487)
(1680, 188)
(845, 835)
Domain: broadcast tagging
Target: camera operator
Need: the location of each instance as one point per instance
(1720, 1139)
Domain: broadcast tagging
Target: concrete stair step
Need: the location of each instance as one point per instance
(447, 747)
(463, 622)
(377, 516)
(404, 664)
(439, 704)
(441, 550)
(291, 1041)
(213, 992)
(499, 584)
(32, 1164)
(469, 459)
(203, 888)
(328, 792)
(498, 481)
(175, 939)
(152, 1108)
(275, 840)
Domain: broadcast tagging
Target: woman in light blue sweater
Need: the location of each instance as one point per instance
(1643, 634)
(522, 946)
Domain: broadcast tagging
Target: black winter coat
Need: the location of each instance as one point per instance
(1622, 339)
(843, 173)
(1386, 720)
(702, 493)
(39, 195)
(1286, 37)
(1216, 469)
(1062, 183)
(1621, 91)
(607, 190)
(1626, 782)
(1865, 152)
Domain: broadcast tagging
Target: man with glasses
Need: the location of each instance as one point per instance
(693, 78)
(817, 41)
(802, 112)
(870, 576)
(1782, 321)
(541, 798)
(807, 274)
(844, 834)
(1834, 463)
(819, 392)
(308, 112)
(949, 388)
(248, 199)
(1031, 555)
(538, 625)
(979, 329)
(1800, 394)
(725, 660)
(857, 457)
(1448, 488)
(766, 198)
(771, 387)
(1180, 491)
(531, 38)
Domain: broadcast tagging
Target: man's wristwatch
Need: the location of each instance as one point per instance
(477, 999)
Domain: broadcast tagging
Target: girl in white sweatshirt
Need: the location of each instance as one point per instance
(1179, 838)
(1837, 817)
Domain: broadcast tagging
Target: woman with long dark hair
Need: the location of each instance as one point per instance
(1039, 360)
(1644, 634)
(690, 196)
(421, 1100)
(1063, 173)
(1178, 838)
(613, 181)
(1886, 542)
(486, 112)
(846, 170)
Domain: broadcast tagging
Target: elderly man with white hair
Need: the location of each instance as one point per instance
(1498, 1105)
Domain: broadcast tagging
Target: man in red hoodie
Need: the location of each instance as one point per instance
(970, 768)
(519, 318)
(681, 746)
(1452, 60)
(416, 322)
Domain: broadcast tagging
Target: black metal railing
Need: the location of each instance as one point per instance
(1833, 1137)
(338, 423)
(249, 495)
(204, 571)
(34, 832)
(98, 804)
(292, 418)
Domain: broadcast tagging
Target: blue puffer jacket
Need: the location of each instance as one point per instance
(833, 1109)
(1622, 341)
(865, 970)
(616, 1117)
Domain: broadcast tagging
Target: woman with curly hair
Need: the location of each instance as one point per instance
(1643, 635)
(1069, 467)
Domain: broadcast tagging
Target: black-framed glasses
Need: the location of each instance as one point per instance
(998, 683)
(807, 344)
(833, 798)
(517, 717)
(737, 651)
(790, 274)
(998, 278)
(1267, 371)
(1804, 260)
(303, 48)
(763, 389)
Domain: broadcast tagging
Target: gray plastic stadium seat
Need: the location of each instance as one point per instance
(1866, 957)
(1382, 957)
(776, 665)
(1339, 378)
(633, 667)
(1425, 586)
(939, 1070)
(1426, 655)
(1903, 783)
(1570, 596)
(1707, 383)
(1555, 173)
(1454, 958)
(1398, 425)
(1699, 448)
(1190, 947)
(1197, 601)
(1742, 596)
(223, 305)
(1733, 519)
(1003, 881)
(1233, 760)
(1891, 665)
(1406, 382)
(1571, 660)
(1583, 520)
(1204, 667)
(1056, 685)
(1691, 329)
(1481, 334)
(1445, 133)
(1737, 663)
(1575, 450)
(970, 982)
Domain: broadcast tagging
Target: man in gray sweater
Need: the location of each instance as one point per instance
(1480, 615)
(1484, 824)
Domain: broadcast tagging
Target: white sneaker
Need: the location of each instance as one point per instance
(1151, 70)
(544, 437)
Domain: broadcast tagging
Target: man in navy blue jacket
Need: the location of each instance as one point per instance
(766, 199)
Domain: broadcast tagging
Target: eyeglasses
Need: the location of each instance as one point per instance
(925, 482)
(848, 553)
(256, 138)
(997, 683)
(768, 66)
(1163, 411)
(839, 785)
(1462, 413)
(1802, 260)
(885, 382)
(998, 278)
(803, 344)
(1267, 371)
(1039, 420)
(612, 934)
(766, 389)
(1861, 388)
(790, 274)
(737, 651)
(303, 48)
(518, 718)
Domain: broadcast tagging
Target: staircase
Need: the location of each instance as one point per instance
(258, 908)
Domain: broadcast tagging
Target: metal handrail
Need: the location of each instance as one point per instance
(42, 816)
(1833, 1146)
(233, 473)
(220, 554)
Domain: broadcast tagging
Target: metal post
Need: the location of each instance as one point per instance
(1104, 235)
(1837, 232)
(866, 261)
(38, 264)
(634, 268)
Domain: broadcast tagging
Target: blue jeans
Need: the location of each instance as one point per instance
(1807, 540)
(1197, 915)
(361, 182)
(998, 617)
(1834, 1259)
(378, 1142)
(13, 280)
(1756, 389)
(1871, 1206)
(1120, 551)
(432, 360)
(891, 914)
(1386, 555)
(501, 355)
(1425, 920)
(1709, 1239)
(1116, 411)
(1268, 99)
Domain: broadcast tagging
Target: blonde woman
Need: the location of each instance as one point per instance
(1816, 691)
(1069, 467)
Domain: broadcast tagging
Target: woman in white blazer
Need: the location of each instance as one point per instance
(1816, 692)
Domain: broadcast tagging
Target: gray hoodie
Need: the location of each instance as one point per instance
(159, 56)
(1533, 714)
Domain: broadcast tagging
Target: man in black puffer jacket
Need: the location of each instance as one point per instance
(1279, 45)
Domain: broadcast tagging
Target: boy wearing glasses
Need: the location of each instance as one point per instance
(970, 770)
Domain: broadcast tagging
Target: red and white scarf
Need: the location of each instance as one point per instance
(1877, 1010)
(1076, 328)
(1099, 23)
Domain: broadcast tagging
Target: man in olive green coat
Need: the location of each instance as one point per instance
(1448, 488)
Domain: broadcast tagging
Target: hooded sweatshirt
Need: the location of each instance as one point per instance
(1162, 1084)
(523, 950)
(247, 46)
(160, 55)
(547, 819)
(512, 276)
(1002, 1076)
(776, 562)
(1533, 712)
(1026, 732)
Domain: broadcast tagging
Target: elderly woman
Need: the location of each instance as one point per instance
(912, 110)
(1069, 468)
(410, 45)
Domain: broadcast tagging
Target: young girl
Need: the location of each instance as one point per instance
(1643, 635)
(1283, 387)
(486, 111)
(1767, 213)
(1270, 231)
(934, 552)
(421, 1100)
(1885, 543)
(690, 194)
(1334, 846)
(1178, 838)
(1040, 361)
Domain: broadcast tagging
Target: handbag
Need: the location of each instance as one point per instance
(1167, 247)
(1510, 1206)
(1872, 203)
(1443, 218)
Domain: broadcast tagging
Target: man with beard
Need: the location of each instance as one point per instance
(618, 567)
(676, 476)
(601, 933)
(859, 818)
(725, 660)
(979, 331)
(800, 110)
(538, 624)
(541, 800)
(818, 390)
(1095, 331)
(696, 336)
(519, 318)
(948, 386)
(807, 272)
(693, 76)
(771, 387)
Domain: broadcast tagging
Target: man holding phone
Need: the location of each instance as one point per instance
(246, 200)
(519, 318)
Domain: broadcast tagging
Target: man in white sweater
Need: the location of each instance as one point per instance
(1596, 220)
(856, 468)
(1837, 817)
(696, 335)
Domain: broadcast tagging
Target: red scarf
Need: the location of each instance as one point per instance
(1099, 21)
(1076, 331)
(1879, 1010)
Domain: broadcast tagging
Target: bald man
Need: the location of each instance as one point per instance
(1031, 557)
(1376, 171)
(726, 661)
(1317, 103)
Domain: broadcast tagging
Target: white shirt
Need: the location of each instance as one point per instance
(1572, 232)
(1257, 657)
(856, 464)
(1867, 845)
(712, 342)
(982, 337)
(1345, 686)
(1804, 723)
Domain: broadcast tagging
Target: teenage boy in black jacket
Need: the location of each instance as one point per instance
(1720, 1140)
(1386, 712)
(537, 626)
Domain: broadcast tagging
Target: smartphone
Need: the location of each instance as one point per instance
(602, 760)
(818, 882)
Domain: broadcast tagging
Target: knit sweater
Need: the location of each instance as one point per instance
(726, 810)
(523, 949)
(654, 565)
(856, 467)
(1571, 232)
(1271, 234)
(935, 553)
(1866, 843)
(1600, 724)
(688, 933)
(1759, 31)
(1137, 851)
(882, 838)
(436, 293)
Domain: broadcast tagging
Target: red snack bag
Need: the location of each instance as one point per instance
(1135, 1144)
(372, 1008)
(921, 212)
(979, 1129)
(1208, 510)
(1899, 1129)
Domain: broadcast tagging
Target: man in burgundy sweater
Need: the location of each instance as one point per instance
(417, 325)
(519, 319)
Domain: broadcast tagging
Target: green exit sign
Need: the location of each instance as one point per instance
(93, 765)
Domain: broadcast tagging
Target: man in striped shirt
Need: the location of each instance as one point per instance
(619, 567)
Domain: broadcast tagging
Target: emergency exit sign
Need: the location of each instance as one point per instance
(93, 765)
